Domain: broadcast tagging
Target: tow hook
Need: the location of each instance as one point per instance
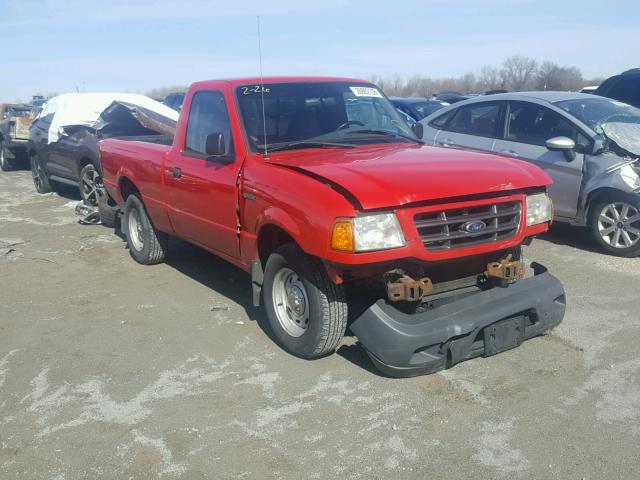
(401, 287)
(506, 270)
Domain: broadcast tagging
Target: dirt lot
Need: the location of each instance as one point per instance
(113, 370)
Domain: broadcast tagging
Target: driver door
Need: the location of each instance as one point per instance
(527, 128)
(202, 190)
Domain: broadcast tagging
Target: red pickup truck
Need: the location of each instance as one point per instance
(319, 189)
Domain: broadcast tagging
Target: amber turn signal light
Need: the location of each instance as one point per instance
(342, 236)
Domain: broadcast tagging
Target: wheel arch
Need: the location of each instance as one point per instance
(597, 195)
(127, 187)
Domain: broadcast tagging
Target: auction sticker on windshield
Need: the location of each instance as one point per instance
(366, 92)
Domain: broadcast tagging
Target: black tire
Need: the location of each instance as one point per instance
(147, 245)
(87, 185)
(108, 215)
(6, 164)
(40, 178)
(327, 314)
(624, 239)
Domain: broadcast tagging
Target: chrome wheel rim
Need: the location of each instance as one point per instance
(88, 187)
(135, 230)
(619, 225)
(290, 302)
(2, 158)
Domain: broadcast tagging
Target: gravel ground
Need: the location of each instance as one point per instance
(109, 369)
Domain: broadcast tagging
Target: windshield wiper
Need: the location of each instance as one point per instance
(373, 131)
(305, 144)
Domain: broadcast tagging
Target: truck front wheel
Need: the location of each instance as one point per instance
(146, 244)
(307, 312)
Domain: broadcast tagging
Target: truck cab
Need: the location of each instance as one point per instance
(321, 191)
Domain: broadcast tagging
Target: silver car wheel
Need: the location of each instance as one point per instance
(135, 230)
(290, 302)
(88, 186)
(619, 225)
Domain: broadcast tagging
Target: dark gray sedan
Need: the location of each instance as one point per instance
(589, 145)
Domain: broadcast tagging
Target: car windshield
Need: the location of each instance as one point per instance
(595, 112)
(313, 114)
(427, 108)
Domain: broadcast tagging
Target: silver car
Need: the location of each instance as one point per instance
(589, 145)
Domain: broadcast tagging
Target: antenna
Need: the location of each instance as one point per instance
(264, 117)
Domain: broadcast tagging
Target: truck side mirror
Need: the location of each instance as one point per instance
(564, 145)
(215, 146)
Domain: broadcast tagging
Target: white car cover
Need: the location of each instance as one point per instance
(85, 109)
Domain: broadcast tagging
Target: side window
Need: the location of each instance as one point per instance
(626, 90)
(534, 124)
(441, 121)
(478, 119)
(208, 115)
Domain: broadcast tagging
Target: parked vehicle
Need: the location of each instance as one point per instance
(174, 100)
(38, 100)
(63, 140)
(417, 108)
(624, 87)
(587, 144)
(589, 89)
(15, 120)
(319, 189)
(451, 97)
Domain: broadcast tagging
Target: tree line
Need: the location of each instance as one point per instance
(517, 73)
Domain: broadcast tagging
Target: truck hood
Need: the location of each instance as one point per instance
(390, 175)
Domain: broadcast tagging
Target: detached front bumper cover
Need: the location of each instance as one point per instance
(403, 345)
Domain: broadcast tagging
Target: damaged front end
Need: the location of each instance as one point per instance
(458, 319)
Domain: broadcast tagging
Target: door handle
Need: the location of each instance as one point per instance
(511, 153)
(177, 172)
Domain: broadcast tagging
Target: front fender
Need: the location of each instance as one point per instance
(280, 218)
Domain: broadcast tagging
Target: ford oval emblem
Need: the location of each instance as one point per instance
(474, 226)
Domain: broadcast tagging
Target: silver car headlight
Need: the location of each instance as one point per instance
(377, 232)
(539, 209)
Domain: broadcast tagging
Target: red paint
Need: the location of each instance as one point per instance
(405, 178)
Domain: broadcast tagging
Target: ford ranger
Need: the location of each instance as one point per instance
(319, 189)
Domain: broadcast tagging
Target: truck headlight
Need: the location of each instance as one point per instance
(539, 209)
(366, 233)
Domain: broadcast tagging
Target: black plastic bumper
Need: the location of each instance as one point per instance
(403, 345)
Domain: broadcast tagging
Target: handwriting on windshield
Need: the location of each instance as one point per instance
(254, 89)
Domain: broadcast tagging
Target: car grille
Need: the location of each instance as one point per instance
(443, 230)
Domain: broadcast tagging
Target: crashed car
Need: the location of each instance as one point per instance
(15, 121)
(63, 140)
(589, 145)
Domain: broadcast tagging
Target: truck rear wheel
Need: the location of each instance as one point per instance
(307, 312)
(146, 244)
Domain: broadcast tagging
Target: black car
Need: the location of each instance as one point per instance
(417, 108)
(624, 87)
(71, 155)
(174, 100)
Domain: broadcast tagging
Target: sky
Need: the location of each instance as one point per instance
(136, 45)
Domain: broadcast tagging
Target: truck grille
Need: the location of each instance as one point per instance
(454, 228)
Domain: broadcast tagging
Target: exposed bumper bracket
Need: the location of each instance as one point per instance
(403, 345)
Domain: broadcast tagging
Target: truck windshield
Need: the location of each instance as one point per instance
(309, 114)
(596, 111)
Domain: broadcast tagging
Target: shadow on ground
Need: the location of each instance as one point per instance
(577, 237)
